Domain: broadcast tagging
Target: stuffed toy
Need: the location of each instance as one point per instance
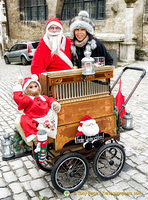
(39, 111)
(88, 133)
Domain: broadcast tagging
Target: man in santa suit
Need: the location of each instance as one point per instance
(53, 52)
(37, 108)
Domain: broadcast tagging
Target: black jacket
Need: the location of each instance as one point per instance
(97, 50)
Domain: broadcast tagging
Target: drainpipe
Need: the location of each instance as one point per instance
(7, 24)
(142, 25)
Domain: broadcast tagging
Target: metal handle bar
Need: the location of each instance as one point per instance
(133, 90)
(132, 68)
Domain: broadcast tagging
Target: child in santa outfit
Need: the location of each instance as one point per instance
(38, 109)
(53, 52)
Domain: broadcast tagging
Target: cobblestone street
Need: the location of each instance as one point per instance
(22, 179)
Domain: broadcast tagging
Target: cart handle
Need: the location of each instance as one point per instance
(133, 90)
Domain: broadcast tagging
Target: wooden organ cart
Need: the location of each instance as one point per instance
(80, 96)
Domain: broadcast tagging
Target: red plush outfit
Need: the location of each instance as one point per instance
(35, 108)
(44, 62)
(53, 52)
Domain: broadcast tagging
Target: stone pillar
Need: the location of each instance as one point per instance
(127, 48)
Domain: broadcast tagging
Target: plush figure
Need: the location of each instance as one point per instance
(88, 133)
(40, 111)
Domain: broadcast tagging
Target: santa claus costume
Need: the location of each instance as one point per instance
(88, 133)
(53, 52)
(36, 109)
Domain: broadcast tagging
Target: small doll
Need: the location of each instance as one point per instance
(39, 111)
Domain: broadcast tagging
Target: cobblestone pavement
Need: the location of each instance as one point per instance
(22, 179)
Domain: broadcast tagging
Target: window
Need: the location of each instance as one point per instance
(14, 48)
(95, 8)
(22, 46)
(33, 10)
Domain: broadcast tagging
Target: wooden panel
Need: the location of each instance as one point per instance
(74, 112)
(43, 79)
(68, 76)
(74, 72)
(67, 133)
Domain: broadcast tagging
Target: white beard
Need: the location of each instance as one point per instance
(90, 129)
(54, 42)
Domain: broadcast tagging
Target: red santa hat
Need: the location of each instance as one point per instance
(54, 21)
(84, 121)
(28, 80)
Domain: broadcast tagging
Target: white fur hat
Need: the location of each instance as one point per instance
(28, 80)
(82, 21)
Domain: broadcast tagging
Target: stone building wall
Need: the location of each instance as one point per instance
(111, 30)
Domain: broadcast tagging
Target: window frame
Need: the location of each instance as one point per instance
(68, 5)
(27, 8)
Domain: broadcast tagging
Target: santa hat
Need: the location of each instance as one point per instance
(82, 21)
(28, 80)
(85, 121)
(54, 21)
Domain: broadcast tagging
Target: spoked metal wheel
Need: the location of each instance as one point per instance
(47, 165)
(69, 172)
(109, 161)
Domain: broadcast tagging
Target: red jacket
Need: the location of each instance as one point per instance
(33, 108)
(44, 62)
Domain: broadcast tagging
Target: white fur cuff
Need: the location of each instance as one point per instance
(17, 88)
(59, 106)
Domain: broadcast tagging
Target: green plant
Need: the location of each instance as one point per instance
(19, 143)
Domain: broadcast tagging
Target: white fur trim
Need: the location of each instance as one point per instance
(43, 99)
(17, 88)
(83, 13)
(44, 73)
(87, 122)
(65, 59)
(63, 43)
(54, 23)
(28, 82)
(57, 104)
(30, 138)
(81, 24)
(42, 137)
(60, 53)
(80, 128)
(34, 77)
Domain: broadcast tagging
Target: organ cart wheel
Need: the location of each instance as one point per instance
(109, 161)
(69, 172)
(47, 165)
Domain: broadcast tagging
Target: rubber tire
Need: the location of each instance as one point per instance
(57, 165)
(24, 60)
(6, 60)
(100, 151)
